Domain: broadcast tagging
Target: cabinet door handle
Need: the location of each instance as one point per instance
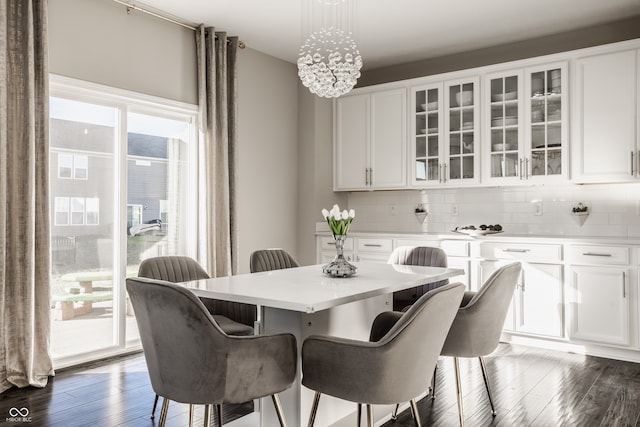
(516, 250)
(331, 243)
(366, 176)
(633, 164)
(595, 254)
(372, 245)
(520, 170)
(624, 280)
(440, 175)
(444, 175)
(526, 168)
(370, 176)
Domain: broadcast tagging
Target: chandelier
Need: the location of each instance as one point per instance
(329, 61)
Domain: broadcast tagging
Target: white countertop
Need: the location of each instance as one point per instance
(307, 289)
(531, 238)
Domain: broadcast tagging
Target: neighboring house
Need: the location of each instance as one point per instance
(82, 191)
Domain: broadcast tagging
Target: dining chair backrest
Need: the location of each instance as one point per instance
(478, 324)
(421, 256)
(271, 259)
(394, 369)
(191, 360)
(185, 350)
(174, 268)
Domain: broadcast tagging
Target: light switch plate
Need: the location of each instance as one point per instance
(537, 208)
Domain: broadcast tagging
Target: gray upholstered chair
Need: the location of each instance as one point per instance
(271, 259)
(416, 255)
(476, 330)
(233, 318)
(191, 360)
(383, 372)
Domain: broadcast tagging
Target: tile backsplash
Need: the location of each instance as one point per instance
(614, 209)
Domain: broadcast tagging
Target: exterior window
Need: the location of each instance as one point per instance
(65, 166)
(80, 167)
(77, 211)
(62, 211)
(92, 207)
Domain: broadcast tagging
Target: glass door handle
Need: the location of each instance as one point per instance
(520, 170)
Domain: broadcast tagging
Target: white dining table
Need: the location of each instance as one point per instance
(303, 301)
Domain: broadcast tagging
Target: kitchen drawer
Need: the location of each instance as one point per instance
(455, 247)
(330, 243)
(374, 245)
(522, 252)
(414, 242)
(596, 254)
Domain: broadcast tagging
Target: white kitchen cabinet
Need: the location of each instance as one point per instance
(538, 302)
(427, 135)
(606, 108)
(546, 124)
(599, 301)
(370, 141)
(461, 132)
(355, 249)
(537, 306)
(504, 152)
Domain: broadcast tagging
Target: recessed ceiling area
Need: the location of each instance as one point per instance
(390, 33)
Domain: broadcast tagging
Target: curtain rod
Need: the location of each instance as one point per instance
(131, 7)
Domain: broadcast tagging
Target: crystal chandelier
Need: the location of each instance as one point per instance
(329, 61)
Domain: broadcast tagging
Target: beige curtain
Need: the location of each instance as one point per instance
(217, 86)
(24, 196)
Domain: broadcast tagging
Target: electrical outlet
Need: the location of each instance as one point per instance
(454, 210)
(393, 209)
(537, 208)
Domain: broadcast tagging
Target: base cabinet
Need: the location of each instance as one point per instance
(600, 304)
(537, 306)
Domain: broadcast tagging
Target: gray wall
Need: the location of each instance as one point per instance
(601, 34)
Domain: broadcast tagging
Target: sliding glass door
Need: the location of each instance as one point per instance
(121, 190)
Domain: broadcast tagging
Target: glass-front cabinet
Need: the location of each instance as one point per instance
(462, 131)
(524, 126)
(546, 115)
(504, 156)
(426, 135)
(444, 126)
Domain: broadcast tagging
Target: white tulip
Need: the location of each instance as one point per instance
(345, 214)
(337, 216)
(325, 213)
(352, 213)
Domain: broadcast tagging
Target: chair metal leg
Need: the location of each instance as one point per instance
(278, 406)
(486, 383)
(163, 412)
(219, 414)
(359, 419)
(207, 415)
(153, 410)
(433, 383)
(369, 415)
(314, 409)
(458, 390)
(190, 415)
(394, 414)
(414, 412)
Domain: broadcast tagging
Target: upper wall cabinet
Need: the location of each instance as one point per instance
(427, 139)
(370, 141)
(445, 133)
(606, 140)
(462, 132)
(503, 128)
(546, 123)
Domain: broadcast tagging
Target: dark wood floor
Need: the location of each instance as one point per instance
(532, 387)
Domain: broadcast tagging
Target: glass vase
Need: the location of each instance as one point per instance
(339, 267)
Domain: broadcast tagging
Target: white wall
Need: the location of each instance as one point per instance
(268, 154)
(97, 41)
(614, 209)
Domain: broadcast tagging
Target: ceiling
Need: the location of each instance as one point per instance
(400, 31)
